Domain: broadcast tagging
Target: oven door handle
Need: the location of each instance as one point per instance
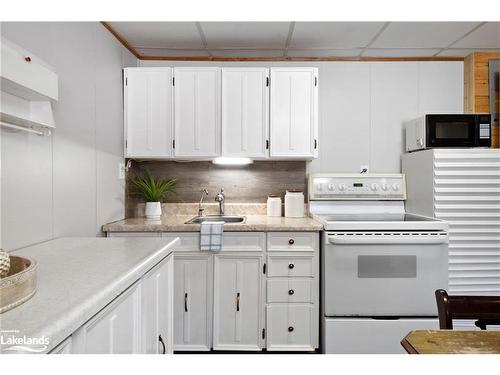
(388, 239)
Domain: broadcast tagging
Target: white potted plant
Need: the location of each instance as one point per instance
(153, 190)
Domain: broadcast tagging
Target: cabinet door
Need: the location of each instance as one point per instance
(115, 330)
(291, 327)
(197, 112)
(294, 112)
(148, 112)
(157, 309)
(192, 302)
(245, 112)
(238, 301)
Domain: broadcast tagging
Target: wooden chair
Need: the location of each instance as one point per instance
(486, 309)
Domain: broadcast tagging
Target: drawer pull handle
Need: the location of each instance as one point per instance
(164, 349)
(291, 292)
(238, 301)
(27, 58)
(290, 329)
(291, 241)
(291, 266)
(185, 302)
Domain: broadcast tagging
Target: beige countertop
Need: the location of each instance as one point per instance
(77, 277)
(253, 223)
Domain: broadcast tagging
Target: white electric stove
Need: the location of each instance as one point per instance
(380, 265)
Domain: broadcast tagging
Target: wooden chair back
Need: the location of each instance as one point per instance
(484, 309)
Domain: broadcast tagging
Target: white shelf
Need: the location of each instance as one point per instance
(28, 88)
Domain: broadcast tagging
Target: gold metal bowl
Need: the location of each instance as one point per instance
(19, 285)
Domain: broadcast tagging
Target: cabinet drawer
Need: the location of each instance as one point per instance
(243, 241)
(189, 241)
(292, 241)
(234, 241)
(290, 290)
(290, 265)
(290, 327)
(133, 234)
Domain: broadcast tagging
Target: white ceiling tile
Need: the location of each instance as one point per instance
(323, 52)
(246, 34)
(400, 52)
(487, 36)
(422, 34)
(172, 52)
(343, 35)
(159, 34)
(246, 53)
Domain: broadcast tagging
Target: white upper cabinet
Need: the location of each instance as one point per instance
(197, 112)
(245, 112)
(148, 112)
(294, 112)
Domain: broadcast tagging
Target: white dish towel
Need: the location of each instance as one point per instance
(211, 235)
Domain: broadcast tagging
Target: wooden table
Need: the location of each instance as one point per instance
(452, 342)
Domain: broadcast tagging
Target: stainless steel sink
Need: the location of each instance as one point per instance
(226, 219)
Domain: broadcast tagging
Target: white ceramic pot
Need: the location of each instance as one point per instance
(153, 210)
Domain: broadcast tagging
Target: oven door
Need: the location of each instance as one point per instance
(383, 273)
(451, 131)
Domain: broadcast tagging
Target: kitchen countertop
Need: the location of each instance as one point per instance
(253, 223)
(77, 277)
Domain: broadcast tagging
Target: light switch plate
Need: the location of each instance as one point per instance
(121, 171)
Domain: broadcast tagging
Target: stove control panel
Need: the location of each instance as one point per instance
(347, 186)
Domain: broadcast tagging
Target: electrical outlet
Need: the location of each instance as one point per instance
(363, 169)
(121, 171)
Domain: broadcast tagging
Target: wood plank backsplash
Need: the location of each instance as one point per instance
(243, 184)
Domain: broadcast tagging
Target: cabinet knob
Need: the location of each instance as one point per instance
(291, 266)
(291, 241)
(27, 58)
(291, 291)
(290, 329)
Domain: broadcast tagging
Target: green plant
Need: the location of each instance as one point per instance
(152, 188)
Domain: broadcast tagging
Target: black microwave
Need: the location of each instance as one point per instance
(448, 130)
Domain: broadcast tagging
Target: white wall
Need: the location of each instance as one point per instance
(67, 184)
(364, 104)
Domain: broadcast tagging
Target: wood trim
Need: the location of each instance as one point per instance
(266, 58)
(125, 44)
(288, 58)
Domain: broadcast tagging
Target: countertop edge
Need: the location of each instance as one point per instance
(124, 227)
(82, 313)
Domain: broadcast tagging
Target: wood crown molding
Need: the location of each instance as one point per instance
(124, 43)
(271, 59)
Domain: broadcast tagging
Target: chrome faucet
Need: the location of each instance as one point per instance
(219, 197)
(201, 210)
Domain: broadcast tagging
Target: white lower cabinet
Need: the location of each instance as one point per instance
(291, 327)
(134, 322)
(115, 330)
(238, 302)
(158, 309)
(261, 291)
(192, 302)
